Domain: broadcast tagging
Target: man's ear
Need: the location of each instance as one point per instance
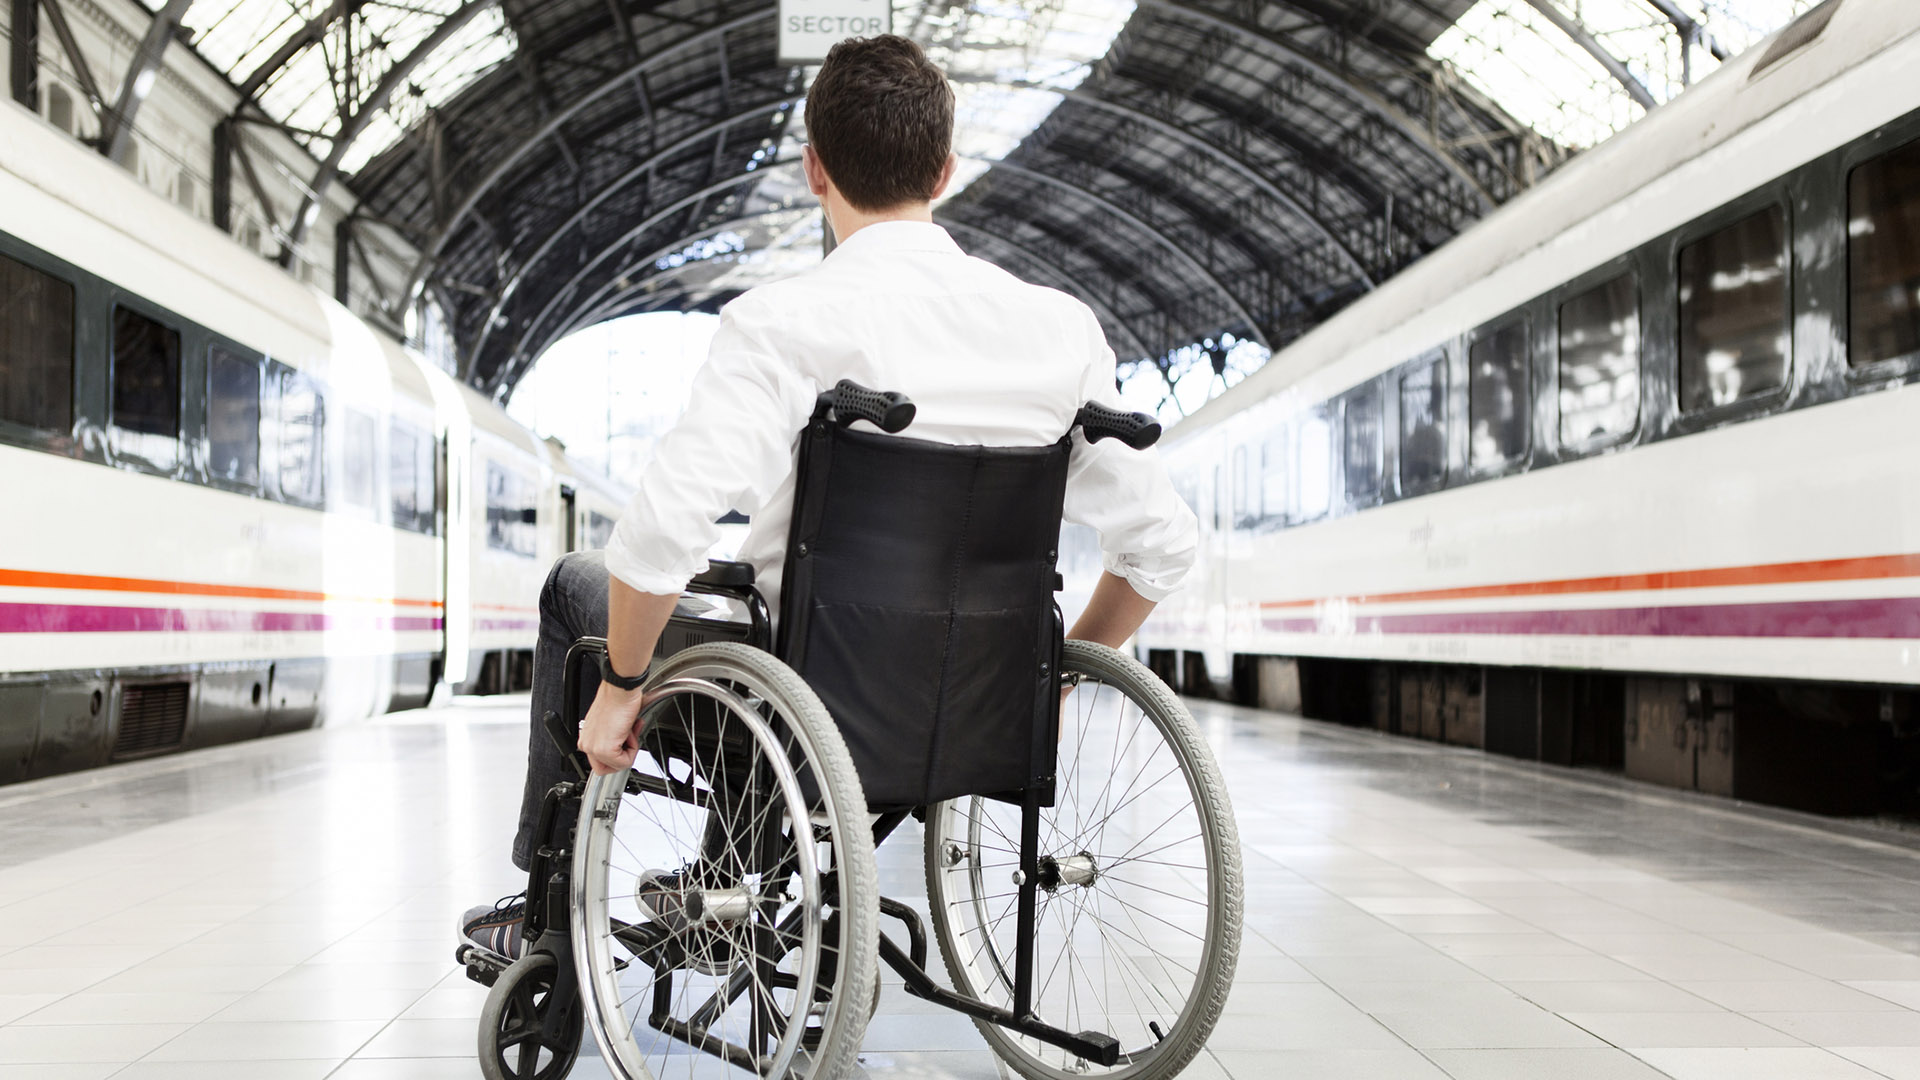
(946, 176)
(816, 172)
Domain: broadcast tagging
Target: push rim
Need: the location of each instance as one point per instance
(604, 866)
(1132, 936)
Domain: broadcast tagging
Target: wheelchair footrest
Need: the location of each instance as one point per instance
(483, 966)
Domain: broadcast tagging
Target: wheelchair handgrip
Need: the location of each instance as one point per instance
(889, 411)
(1137, 430)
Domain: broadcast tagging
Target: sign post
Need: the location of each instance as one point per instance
(808, 28)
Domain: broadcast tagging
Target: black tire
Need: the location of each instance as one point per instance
(513, 1045)
(1126, 877)
(738, 709)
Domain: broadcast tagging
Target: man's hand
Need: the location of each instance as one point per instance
(609, 736)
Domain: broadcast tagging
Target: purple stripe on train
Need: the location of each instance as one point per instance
(1894, 617)
(91, 618)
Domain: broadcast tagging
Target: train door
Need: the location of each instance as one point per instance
(1218, 535)
(570, 515)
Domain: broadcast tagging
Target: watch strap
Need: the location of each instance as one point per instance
(614, 678)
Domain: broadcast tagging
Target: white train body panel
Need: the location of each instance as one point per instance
(114, 572)
(1777, 546)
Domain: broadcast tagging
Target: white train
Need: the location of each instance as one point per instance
(227, 506)
(1627, 474)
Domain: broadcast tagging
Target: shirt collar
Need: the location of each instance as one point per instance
(884, 236)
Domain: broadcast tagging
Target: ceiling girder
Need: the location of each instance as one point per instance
(512, 157)
(612, 188)
(383, 91)
(1159, 236)
(609, 248)
(1577, 30)
(312, 33)
(1340, 83)
(1170, 127)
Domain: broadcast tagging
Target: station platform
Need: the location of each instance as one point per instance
(283, 910)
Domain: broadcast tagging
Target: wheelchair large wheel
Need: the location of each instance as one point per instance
(757, 954)
(1138, 922)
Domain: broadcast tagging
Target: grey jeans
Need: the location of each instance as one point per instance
(573, 604)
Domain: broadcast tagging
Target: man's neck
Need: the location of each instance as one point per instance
(845, 220)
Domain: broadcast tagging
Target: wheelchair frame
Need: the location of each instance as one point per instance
(550, 889)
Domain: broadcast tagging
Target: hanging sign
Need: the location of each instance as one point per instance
(808, 28)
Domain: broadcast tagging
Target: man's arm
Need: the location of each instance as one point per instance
(729, 450)
(634, 621)
(1114, 613)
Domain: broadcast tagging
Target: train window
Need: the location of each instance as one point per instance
(1733, 312)
(1275, 473)
(1362, 438)
(1883, 257)
(1497, 393)
(1242, 488)
(599, 529)
(511, 517)
(36, 348)
(1423, 425)
(233, 416)
(1600, 362)
(1313, 484)
(410, 477)
(302, 413)
(145, 412)
(356, 460)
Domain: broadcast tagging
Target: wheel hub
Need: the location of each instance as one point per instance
(1082, 870)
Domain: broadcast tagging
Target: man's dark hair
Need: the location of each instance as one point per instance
(880, 116)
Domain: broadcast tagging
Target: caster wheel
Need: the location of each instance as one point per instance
(514, 1041)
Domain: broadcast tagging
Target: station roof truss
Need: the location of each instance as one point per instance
(1227, 170)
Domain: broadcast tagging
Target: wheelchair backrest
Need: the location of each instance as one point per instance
(918, 603)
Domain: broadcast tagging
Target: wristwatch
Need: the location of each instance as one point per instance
(613, 678)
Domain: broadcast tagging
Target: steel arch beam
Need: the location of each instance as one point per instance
(117, 123)
(1345, 85)
(1233, 162)
(1584, 38)
(651, 257)
(614, 187)
(1689, 29)
(1073, 284)
(1165, 241)
(310, 34)
(552, 126)
(396, 75)
(653, 219)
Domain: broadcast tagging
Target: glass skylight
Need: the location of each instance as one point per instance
(333, 78)
(1517, 56)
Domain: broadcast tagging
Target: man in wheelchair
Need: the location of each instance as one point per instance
(731, 773)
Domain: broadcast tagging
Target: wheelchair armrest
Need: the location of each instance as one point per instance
(721, 574)
(734, 580)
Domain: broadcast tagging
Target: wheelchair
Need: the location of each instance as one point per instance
(1081, 861)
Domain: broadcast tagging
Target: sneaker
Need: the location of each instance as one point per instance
(662, 896)
(496, 927)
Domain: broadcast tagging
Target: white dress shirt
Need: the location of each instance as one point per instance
(985, 357)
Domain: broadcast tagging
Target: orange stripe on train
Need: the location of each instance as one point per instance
(1864, 568)
(44, 579)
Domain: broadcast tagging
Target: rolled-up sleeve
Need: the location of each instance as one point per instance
(1148, 535)
(729, 451)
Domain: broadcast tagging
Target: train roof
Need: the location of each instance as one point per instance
(1393, 324)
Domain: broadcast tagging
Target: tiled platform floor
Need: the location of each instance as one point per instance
(282, 909)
